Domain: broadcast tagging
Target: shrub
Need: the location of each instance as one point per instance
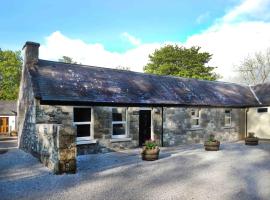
(150, 144)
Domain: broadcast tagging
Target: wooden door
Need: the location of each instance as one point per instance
(4, 125)
(144, 126)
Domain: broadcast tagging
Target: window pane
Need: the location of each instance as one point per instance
(119, 114)
(227, 120)
(118, 129)
(83, 130)
(260, 110)
(82, 114)
(195, 122)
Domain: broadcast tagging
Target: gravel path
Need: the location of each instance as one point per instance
(188, 172)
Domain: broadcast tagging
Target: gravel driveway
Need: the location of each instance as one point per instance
(187, 172)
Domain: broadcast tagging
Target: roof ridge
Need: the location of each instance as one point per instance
(148, 74)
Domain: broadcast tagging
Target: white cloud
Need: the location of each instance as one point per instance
(58, 45)
(230, 39)
(133, 40)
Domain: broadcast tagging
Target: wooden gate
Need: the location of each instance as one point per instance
(4, 125)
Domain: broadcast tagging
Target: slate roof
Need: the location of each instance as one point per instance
(61, 82)
(8, 107)
(262, 92)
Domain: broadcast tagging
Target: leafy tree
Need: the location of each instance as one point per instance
(255, 69)
(180, 61)
(10, 74)
(67, 59)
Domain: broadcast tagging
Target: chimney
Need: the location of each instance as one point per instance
(30, 52)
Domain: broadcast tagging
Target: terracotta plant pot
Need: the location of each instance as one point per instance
(150, 154)
(211, 145)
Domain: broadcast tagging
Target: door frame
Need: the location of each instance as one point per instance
(8, 124)
(152, 126)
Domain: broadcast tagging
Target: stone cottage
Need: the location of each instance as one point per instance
(65, 110)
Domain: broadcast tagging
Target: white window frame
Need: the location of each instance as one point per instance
(229, 117)
(91, 123)
(120, 122)
(196, 117)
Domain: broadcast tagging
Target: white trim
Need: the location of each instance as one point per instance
(254, 94)
(91, 123)
(120, 122)
(228, 117)
(120, 139)
(196, 118)
(86, 142)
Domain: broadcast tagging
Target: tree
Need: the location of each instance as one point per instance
(10, 74)
(67, 59)
(255, 69)
(181, 61)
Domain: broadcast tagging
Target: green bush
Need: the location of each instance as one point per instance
(150, 144)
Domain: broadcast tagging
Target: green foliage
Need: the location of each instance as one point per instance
(67, 59)
(212, 138)
(181, 61)
(150, 144)
(10, 74)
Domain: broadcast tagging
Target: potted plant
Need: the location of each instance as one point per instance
(251, 139)
(150, 150)
(211, 144)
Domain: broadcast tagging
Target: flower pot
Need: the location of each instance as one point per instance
(251, 141)
(211, 145)
(150, 154)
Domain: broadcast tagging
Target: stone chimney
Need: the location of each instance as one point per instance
(30, 52)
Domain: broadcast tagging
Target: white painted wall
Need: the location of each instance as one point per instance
(259, 123)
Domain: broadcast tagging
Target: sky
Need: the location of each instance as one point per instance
(112, 33)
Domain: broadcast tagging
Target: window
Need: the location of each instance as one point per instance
(228, 118)
(82, 117)
(262, 110)
(119, 123)
(195, 118)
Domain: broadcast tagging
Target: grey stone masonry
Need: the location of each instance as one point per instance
(178, 129)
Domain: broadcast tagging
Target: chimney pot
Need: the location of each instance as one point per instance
(31, 52)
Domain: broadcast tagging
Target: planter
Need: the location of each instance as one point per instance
(150, 154)
(13, 133)
(211, 145)
(252, 141)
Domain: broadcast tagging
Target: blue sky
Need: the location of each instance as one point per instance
(116, 33)
(103, 21)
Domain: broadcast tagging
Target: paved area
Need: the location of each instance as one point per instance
(188, 172)
(7, 143)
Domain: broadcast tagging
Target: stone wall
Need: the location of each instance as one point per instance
(57, 137)
(178, 129)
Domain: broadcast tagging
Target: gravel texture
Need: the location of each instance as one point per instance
(188, 172)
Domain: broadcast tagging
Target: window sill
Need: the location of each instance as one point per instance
(195, 129)
(86, 142)
(227, 127)
(120, 139)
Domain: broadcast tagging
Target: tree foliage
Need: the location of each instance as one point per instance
(255, 69)
(180, 61)
(67, 59)
(10, 74)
